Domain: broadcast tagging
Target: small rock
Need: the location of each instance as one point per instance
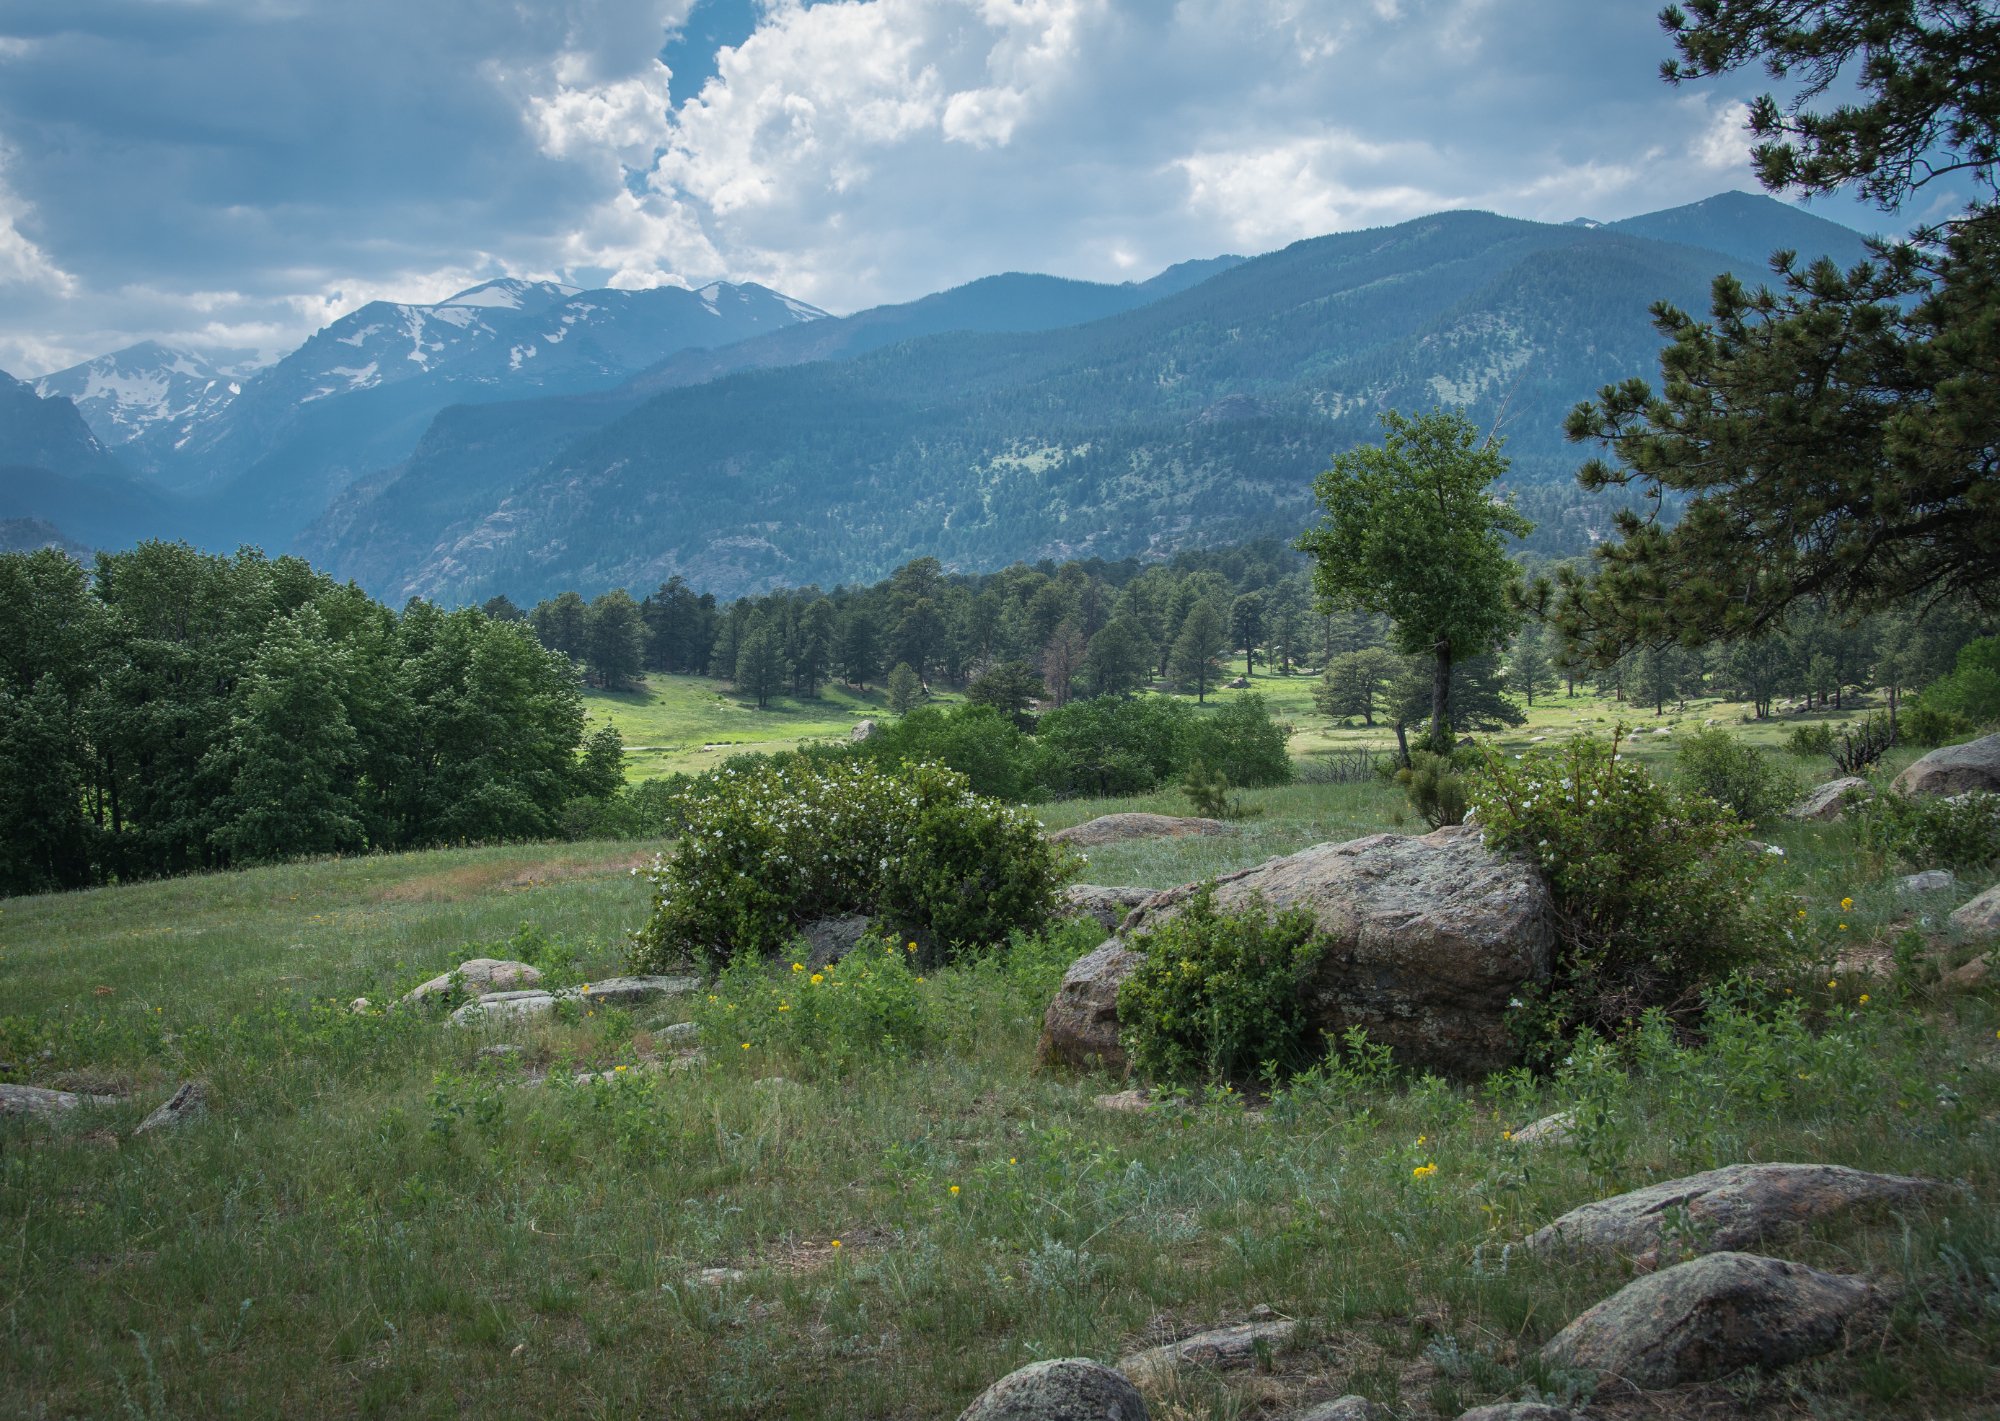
(1219, 1347)
(1724, 1209)
(189, 1102)
(475, 977)
(1934, 880)
(1125, 1102)
(1108, 905)
(1828, 801)
(34, 1100)
(1549, 1130)
(1115, 828)
(630, 991)
(1969, 978)
(864, 730)
(1981, 917)
(830, 939)
(499, 1051)
(719, 1277)
(1516, 1411)
(1346, 1408)
(1237, 683)
(1954, 769)
(359, 1005)
(1705, 1319)
(1758, 846)
(680, 1033)
(1072, 1389)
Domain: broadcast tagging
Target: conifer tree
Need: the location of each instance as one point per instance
(1196, 663)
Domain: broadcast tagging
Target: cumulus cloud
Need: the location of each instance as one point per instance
(237, 171)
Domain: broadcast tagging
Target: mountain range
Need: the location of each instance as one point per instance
(526, 437)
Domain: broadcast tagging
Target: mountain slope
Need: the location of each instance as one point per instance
(146, 392)
(53, 469)
(1747, 228)
(1198, 417)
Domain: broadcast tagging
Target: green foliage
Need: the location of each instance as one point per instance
(904, 688)
(1357, 683)
(1960, 832)
(1435, 788)
(1736, 775)
(1809, 740)
(1195, 664)
(1953, 706)
(1009, 688)
(771, 847)
(1207, 790)
(978, 741)
(1410, 529)
(1860, 746)
(1241, 741)
(867, 1007)
(1220, 996)
(1655, 898)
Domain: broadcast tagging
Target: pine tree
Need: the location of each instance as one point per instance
(860, 661)
(1528, 669)
(904, 688)
(1117, 660)
(760, 666)
(562, 624)
(1196, 663)
(1246, 626)
(1062, 658)
(615, 640)
(1355, 683)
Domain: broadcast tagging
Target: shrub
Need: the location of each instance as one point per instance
(1654, 895)
(773, 846)
(1220, 996)
(1859, 747)
(1111, 745)
(1435, 787)
(1208, 792)
(978, 741)
(1961, 832)
(1924, 724)
(1806, 741)
(1735, 775)
(1241, 741)
(867, 1006)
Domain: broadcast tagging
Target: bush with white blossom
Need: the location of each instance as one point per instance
(770, 848)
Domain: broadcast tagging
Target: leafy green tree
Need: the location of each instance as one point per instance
(46, 837)
(1118, 659)
(860, 657)
(1835, 437)
(501, 608)
(904, 688)
(1410, 528)
(760, 666)
(1196, 663)
(615, 640)
(1240, 740)
(1355, 683)
(562, 623)
(920, 635)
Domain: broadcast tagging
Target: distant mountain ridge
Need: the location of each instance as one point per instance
(1195, 417)
(144, 391)
(54, 471)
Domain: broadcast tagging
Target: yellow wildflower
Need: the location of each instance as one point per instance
(1423, 1171)
(833, 1243)
(617, 1068)
(1845, 904)
(817, 978)
(798, 967)
(911, 948)
(1864, 999)
(784, 1006)
(954, 1189)
(746, 1046)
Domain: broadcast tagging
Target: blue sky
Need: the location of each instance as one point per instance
(232, 174)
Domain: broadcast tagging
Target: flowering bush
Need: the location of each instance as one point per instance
(1219, 996)
(1655, 894)
(867, 1006)
(771, 847)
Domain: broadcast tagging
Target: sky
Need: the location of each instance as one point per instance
(231, 175)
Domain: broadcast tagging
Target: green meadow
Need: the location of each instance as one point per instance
(378, 1218)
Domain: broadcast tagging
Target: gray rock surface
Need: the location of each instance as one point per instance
(1516, 1411)
(1430, 939)
(830, 939)
(631, 991)
(476, 977)
(1071, 1389)
(1549, 1130)
(680, 1033)
(35, 1100)
(1931, 880)
(504, 1006)
(1233, 1346)
(1724, 1209)
(1115, 828)
(1955, 769)
(864, 730)
(1981, 917)
(1710, 1317)
(188, 1102)
(1108, 905)
(1827, 801)
(1346, 1408)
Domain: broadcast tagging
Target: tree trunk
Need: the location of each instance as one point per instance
(1402, 745)
(1441, 697)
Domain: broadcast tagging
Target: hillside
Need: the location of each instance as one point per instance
(1195, 418)
(54, 470)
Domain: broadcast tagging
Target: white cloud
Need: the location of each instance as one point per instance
(21, 261)
(1724, 145)
(1305, 187)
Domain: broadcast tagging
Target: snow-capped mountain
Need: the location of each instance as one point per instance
(143, 390)
(358, 394)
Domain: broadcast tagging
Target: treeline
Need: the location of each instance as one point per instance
(1080, 628)
(169, 710)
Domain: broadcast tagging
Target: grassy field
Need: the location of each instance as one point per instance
(377, 1220)
(692, 723)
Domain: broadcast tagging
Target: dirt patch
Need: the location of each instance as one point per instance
(561, 872)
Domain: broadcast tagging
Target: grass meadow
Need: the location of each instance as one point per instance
(376, 1220)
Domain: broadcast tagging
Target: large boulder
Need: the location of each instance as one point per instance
(1955, 769)
(1724, 1209)
(1071, 1389)
(1430, 938)
(1828, 801)
(1981, 917)
(1711, 1317)
(475, 978)
(1236, 1345)
(1115, 828)
(1108, 905)
(38, 1100)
